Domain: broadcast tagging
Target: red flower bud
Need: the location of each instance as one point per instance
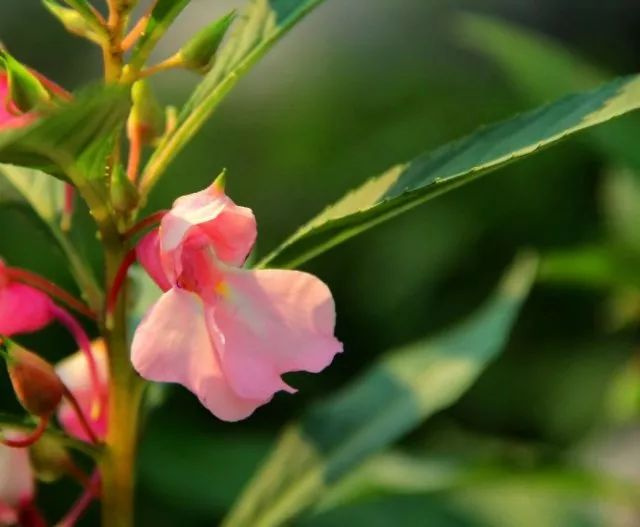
(35, 382)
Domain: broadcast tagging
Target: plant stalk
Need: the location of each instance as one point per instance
(117, 466)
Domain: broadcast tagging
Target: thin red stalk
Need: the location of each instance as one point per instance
(84, 344)
(81, 417)
(139, 27)
(91, 491)
(135, 154)
(118, 281)
(68, 207)
(29, 440)
(32, 279)
(145, 223)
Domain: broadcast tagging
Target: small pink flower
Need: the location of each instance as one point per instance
(75, 374)
(24, 309)
(10, 115)
(16, 481)
(226, 333)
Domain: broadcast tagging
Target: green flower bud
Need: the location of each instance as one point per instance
(25, 90)
(147, 116)
(199, 53)
(73, 21)
(124, 195)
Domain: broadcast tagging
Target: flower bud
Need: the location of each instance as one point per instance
(199, 53)
(73, 21)
(49, 459)
(124, 195)
(25, 89)
(147, 117)
(35, 382)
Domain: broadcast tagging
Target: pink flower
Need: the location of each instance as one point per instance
(226, 333)
(10, 115)
(75, 374)
(16, 482)
(24, 309)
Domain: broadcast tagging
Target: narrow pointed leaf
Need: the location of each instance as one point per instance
(394, 397)
(258, 28)
(163, 14)
(58, 139)
(433, 173)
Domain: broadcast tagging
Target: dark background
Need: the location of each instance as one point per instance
(358, 86)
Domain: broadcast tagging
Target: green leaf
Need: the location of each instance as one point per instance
(73, 142)
(394, 397)
(549, 71)
(262, 24)
(431, 174)
(163, 14)
(44, 195)
(56, 140)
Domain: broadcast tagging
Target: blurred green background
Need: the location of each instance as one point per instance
(358, 86)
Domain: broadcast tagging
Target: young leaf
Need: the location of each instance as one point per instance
(163, 14)
(263, 23)
(405, 186)
(384, 404)
(44, 195)
(57, 139)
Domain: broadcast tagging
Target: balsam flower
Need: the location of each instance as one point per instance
(226, 333)
(16, 482)
(10, 115)
(74, 372)
(25, 309)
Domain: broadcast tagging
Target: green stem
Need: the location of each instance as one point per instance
(125, 393)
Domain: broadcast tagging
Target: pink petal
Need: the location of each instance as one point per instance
(230, 229)
(16, 478)
(173, 344)
(274, 322)
(148, 254)
(75, 374)
(7, 118)
(23, 309)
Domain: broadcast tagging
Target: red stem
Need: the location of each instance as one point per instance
(91, 491)
(84, 344)
(29, 440)
(68, 207)
(145, 223)
(32, 279)
(83, 419)
(118, 281)
(135, 153)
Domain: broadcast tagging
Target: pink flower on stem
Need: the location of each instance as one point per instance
(16, 483)
(227, 333)
(25, 309)
(10, 115)
(74, 371)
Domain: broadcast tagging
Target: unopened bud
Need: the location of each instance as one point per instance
(199, 53)
(25, 90)
(73, 21)
(124, 195)
(35, 382)
(49, 459)
(147, 117)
